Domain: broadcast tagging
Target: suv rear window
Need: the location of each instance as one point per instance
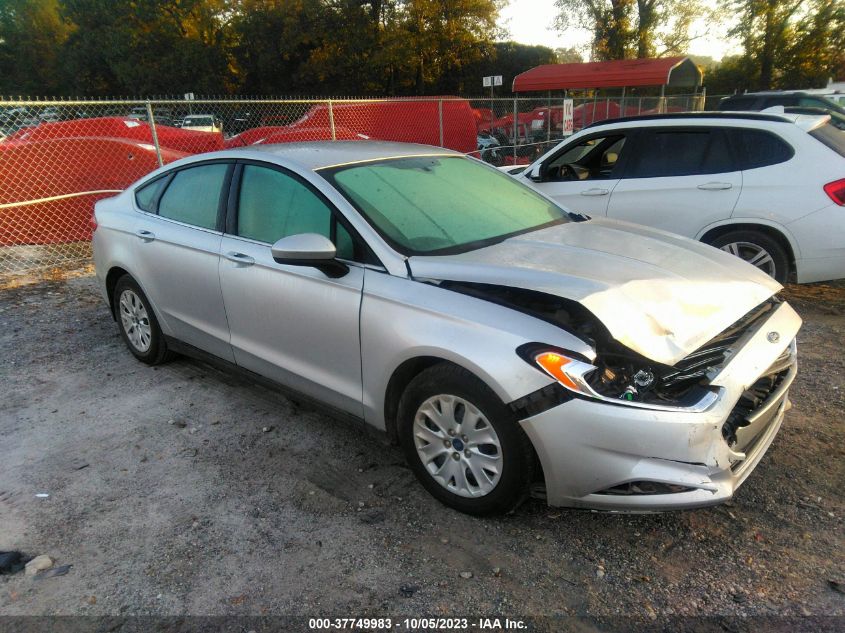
(830, 136)
(757, 148)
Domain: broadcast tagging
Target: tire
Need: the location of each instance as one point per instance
(503, 459)
(145, 340)
(752, 245)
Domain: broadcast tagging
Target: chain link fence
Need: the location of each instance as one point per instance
(57, 158)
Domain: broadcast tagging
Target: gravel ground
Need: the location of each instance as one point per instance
(183, 490)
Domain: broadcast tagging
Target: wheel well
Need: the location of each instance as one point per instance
(776, 235)
(111, 281)
(401, 378)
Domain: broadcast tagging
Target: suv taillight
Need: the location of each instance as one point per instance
(93, 220)
(836, 191)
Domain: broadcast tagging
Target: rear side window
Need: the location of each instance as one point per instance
(830, 136)
(146, 196)
(757, 148)
(665, 153)
(193, 196)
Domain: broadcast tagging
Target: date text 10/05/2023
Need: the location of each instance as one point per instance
(417, 624)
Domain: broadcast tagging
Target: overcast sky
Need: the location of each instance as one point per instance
(529, 22)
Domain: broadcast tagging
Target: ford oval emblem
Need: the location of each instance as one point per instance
(773, 337)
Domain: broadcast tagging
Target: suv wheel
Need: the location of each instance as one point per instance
(758, 249)
(463, 444)
(137, 322)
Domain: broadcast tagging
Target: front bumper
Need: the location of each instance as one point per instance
(591, 450)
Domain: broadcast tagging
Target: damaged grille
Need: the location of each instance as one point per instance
(755, 397)
(695, 366)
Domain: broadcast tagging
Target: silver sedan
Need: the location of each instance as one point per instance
(511, 347)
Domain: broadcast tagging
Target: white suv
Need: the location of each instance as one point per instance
(768, 188)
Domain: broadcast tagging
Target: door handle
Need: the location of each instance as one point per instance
(715, 186)
(239, 258)
(144, 234)
(595, 192)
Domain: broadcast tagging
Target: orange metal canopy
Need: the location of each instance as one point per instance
(669, 71)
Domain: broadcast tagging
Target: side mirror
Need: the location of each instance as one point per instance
(309, 249)
(535, 172)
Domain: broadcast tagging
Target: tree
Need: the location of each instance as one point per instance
(608, 20)
(787, 44)
(142, 47)
(507, 59)
(763, 28)
(31, 36)
(569, 55)
(633, 28)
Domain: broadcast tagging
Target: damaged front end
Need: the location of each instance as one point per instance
(619, 431)
(615, 373)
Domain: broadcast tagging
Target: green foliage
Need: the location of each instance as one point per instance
(312, 47)
(31, 36)
(623, 29)
(507, 59)
(786, 44)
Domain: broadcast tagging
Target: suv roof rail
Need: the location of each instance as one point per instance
(720, 114)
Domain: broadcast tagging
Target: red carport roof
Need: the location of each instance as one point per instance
(670, 71)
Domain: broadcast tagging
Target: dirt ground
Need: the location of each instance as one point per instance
(183, 490)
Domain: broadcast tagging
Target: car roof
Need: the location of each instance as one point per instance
(804, 121)
(322, 154)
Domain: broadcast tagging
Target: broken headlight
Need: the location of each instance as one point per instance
(622, 383)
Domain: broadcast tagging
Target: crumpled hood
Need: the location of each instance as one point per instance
(658, 294)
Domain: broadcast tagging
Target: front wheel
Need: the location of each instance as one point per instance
(758, 249)
(463, 444)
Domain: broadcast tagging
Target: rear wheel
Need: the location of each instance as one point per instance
(463, 444)
(137, 322)
(758, 249)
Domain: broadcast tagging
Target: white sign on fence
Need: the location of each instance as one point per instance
(492, 80)
(568, 117)
(497, 80)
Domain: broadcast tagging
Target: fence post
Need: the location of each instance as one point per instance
(152, 122)
(440, 115)
(549, 123)
(515, 112)
(331, 120)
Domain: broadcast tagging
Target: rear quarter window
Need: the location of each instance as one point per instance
(146, 196)
(830, 136)
(759, 148)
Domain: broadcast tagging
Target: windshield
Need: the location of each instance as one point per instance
(443, 204)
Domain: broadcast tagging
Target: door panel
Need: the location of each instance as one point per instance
(582, 175)
(293, 324)
(682, 205)
(177, 262)
(678, 180)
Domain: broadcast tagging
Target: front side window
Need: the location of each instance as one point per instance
(429, 205)
(667, 153)
(592, 159)
(273, 205)
(193, 196)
